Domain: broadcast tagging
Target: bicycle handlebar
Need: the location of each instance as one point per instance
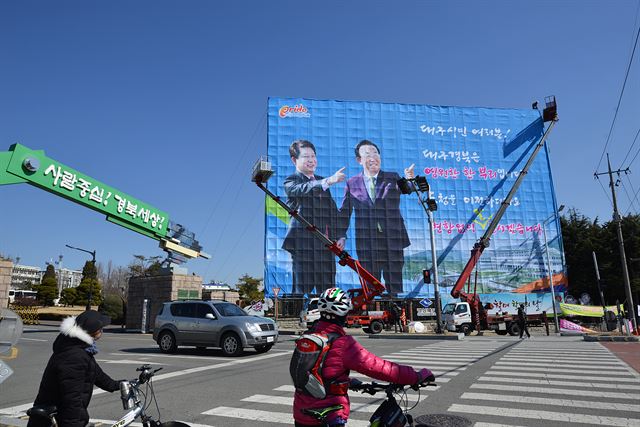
(374, 387)
(146, 372)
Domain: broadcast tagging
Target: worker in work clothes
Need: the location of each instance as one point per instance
(396, 313)
(522, 321)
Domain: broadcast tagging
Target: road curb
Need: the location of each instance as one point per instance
(609, 338)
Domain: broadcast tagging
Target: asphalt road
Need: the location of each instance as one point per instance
(493, 381)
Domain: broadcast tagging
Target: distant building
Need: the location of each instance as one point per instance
(219, 291)
(68, 278)
(22, 274)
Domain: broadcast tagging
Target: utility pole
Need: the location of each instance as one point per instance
(623, 257)
(604, 307)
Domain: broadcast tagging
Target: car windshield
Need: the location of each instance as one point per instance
(313, 305)
(227, 309)
(448, 309)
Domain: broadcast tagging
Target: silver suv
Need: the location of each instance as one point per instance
(212, 324)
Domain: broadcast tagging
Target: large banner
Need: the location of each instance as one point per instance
(337, 163)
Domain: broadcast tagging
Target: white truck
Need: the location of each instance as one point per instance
(310, 315)
(457, 317)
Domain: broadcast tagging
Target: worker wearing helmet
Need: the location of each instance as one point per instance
(344, 355)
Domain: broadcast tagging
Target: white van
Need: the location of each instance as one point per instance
(17, 294)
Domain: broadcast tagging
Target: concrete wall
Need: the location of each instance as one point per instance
(156, 289)
(6, 267)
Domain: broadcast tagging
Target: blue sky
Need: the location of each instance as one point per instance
(167, 101)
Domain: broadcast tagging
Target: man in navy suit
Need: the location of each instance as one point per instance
(380, 232)
(314, 266)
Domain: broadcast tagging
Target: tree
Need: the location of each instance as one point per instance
(89, 281)
(112, 307)
(581, 237)
(68, 296)
(48, 289)
(145, 266)
(248, 288)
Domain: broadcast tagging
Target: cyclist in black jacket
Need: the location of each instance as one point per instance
(72, 371)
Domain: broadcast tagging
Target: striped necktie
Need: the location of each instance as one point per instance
(372, 188)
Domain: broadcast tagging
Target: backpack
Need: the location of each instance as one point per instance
(307, 361)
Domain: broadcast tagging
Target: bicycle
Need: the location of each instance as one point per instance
(130, 394)
(391, 412)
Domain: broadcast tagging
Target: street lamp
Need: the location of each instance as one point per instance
(546, 249)
(93, 261)
(420, 185)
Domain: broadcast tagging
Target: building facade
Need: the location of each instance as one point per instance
(25, 276)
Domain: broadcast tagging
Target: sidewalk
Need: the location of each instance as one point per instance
(629, 352)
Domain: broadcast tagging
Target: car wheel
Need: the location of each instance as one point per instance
(366, 330)
(514, 329)
(231, 344)
(465, 329)
(167, 342)
(376, 327)
(263, 348)
(500, 332)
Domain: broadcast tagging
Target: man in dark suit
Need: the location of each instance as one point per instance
(381, 235)
(314, 266)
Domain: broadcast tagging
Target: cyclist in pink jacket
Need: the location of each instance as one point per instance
(346, 354)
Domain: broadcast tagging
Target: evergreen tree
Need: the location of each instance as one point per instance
(248, 288)
(89, 281)
(68, 296)
(48, 289)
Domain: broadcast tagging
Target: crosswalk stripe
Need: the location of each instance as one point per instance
(608, 362)
(411, 397)
(265, 416)
(567, 403)
(560, 376)
(558, 365)
(435, 356)
(519, 368)
(585, 384)
(551, 390)
(356, 406)
(426, 360)
(493, 425)
(542, 415)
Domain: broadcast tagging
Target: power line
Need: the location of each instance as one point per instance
(631, 148)
(235, 172)
(635, 196)
(606, 193)
(615, 116)
(631, 201)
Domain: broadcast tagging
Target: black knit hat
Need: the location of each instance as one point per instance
(91, 321)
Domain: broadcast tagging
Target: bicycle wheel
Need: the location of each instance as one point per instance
(442, 420)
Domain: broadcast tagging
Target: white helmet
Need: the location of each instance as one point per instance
(335, 301)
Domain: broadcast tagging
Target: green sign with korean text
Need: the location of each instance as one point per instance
(21, 164)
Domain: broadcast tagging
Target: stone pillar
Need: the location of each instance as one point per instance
(6, 268)
(158, 289)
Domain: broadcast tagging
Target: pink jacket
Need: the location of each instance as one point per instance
(347, 354)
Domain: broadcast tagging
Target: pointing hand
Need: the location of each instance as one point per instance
(409, 173)
(339, 176)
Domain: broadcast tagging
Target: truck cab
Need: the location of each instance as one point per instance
(456, 317)
(310, 315)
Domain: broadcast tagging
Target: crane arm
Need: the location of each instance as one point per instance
(484, 241)
(371, 286)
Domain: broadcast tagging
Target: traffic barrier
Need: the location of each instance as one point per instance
(28, 314)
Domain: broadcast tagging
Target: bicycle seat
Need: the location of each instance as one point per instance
(45, 411)
(321, 414)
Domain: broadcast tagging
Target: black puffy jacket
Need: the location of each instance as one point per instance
(70, 375)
